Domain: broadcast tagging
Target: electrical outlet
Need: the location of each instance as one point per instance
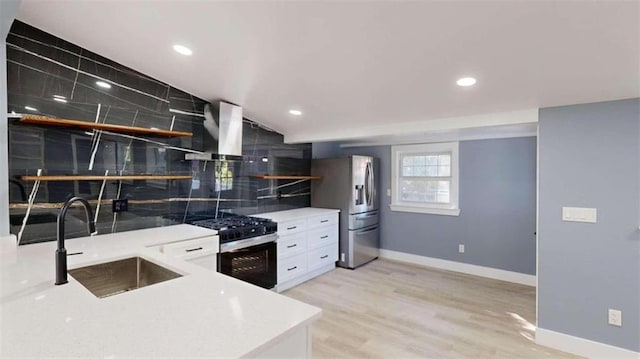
(615, 317)
(579, 214)
(460, 248)
(388, 192)
(120, 205)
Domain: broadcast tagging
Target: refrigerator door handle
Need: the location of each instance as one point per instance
(367, 184)
(372, 184)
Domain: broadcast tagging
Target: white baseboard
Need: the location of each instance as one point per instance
(487, 272)
(580, 346)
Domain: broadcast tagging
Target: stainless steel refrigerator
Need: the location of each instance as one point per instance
(349, 184)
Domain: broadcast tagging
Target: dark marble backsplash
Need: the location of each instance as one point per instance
(52, 77)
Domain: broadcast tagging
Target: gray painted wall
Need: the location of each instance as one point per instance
(497, 202)
(8, 10)
(590, 157)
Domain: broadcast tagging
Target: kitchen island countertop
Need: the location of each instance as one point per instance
(202, 313)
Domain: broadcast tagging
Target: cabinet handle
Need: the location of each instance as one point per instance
(324, 221)
(291, 246)
(324, 256)
(292, 268)
(193, 249)
(323, 237)
(290, 228)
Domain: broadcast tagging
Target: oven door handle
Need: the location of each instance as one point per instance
(245, 243)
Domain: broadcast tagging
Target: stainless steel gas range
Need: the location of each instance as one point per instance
(247, 248)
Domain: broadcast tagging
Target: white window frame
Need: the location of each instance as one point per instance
(449, 209)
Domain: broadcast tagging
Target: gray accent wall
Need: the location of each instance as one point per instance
(590, 157)
(497, 200)
(8, 10)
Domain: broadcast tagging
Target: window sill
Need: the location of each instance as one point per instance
(439, 211)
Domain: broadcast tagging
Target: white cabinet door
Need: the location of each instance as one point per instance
(322, 236)
(191, 248)
(290, 268)
(200, 251)
(291, 245)
(320, 257)
(293, 226)
(322, 220)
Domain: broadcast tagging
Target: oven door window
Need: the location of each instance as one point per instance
(256, 265)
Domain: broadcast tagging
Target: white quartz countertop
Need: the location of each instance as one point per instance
(291, 214)
(200, 314)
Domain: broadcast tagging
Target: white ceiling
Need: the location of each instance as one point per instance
(362, 69)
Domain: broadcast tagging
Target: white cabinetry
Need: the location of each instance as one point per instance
(307, 243)
(200, 251)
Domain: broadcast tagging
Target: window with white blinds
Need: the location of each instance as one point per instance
(425, 178)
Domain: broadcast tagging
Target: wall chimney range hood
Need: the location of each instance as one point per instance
(222, 135)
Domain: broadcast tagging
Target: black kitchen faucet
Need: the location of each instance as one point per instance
(61, 252)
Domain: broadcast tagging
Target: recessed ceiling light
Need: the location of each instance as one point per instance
(295, 112)
(182, 50)
(466, 81)
(60, 99)
(103, 84)
(30, 108)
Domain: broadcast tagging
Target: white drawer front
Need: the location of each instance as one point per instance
(322, 256)
(323, 236)
(192, 248)
(209, 261)
(290, 268)
(292, 245)
(290, 227)
(323, 220)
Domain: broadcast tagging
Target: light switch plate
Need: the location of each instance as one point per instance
(579, 214)
(615, 317)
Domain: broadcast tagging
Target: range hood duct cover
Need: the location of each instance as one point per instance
(222, 136)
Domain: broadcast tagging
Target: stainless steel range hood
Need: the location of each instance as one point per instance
(222, 138)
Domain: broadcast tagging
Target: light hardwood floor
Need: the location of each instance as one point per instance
(389, 309)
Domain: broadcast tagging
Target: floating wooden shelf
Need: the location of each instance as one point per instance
(60, 122)
(287, 177)
(101, 178)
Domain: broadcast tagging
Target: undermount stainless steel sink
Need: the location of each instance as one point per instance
(110, 278)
